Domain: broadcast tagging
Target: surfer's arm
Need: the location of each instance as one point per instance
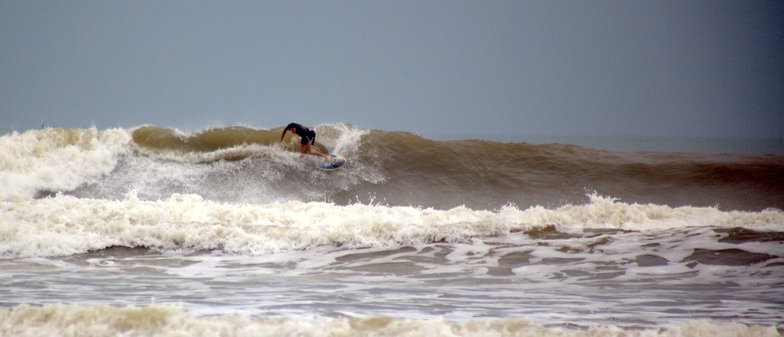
(281, 135)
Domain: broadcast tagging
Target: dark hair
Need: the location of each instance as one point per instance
(291, 125)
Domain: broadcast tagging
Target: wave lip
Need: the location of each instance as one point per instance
(238, 142)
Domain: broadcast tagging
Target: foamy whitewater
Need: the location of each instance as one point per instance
(223, 232)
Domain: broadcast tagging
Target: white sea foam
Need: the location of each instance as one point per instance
(57, 159)
(76, 320)
(608, 213)
(65, 225)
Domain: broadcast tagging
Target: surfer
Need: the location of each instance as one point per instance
(307, 142)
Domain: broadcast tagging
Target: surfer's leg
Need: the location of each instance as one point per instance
(308, 148)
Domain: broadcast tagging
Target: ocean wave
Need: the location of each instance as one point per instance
(241, 164)
(57, 159)
(158, 320)
(65, 225)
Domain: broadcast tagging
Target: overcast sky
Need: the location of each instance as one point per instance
(604, 68)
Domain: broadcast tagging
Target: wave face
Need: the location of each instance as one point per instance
(240, 164)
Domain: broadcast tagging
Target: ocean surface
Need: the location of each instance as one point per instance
(224, 232)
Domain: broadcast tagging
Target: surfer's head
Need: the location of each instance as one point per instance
(291, 126)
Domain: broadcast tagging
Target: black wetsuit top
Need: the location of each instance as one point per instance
(305, 133)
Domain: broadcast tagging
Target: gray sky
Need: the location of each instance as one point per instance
(582, 68)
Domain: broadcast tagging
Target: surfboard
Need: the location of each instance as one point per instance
(336, 162)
